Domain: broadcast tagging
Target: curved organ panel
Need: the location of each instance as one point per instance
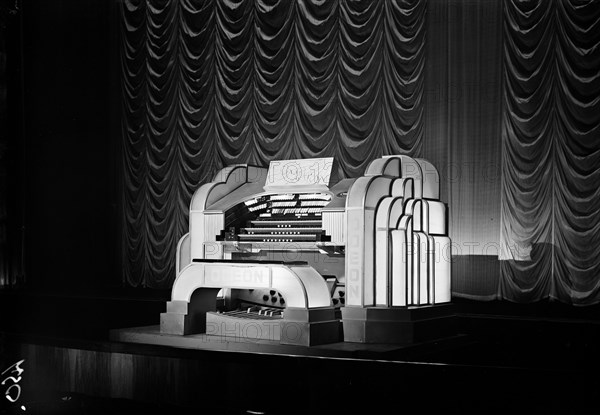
(410, 228)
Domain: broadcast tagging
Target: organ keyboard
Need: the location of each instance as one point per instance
(374, 242)
(285, 218)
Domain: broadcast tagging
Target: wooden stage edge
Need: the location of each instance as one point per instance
(222, 375)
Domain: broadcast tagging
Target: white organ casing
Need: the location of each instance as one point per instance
(389, 225)
(362, 200)
(411, 266)
(389, 212)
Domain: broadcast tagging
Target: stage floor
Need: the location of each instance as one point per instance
(151, 335)
(506, 358)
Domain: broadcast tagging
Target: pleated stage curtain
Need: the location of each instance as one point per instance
(463, 80)
(550, 231)
(212, 83)
(502, 96)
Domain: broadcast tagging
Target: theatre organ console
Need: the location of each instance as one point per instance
(285, 254)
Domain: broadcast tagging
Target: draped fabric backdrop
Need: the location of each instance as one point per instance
(508, 115)
(551, 151)
(212, 83)
(462, 133)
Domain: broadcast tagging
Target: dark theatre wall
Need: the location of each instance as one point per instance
(69, 150)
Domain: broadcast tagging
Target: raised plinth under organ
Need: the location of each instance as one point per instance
(288, 254)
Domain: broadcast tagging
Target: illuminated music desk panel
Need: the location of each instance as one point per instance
(285, 254)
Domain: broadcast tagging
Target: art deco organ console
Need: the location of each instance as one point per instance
(291, 255)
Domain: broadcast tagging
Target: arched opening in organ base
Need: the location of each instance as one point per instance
(209, 304)
(189, 317)
(247, 314)
(268, 302)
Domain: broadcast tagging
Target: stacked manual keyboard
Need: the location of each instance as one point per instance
(286, 218)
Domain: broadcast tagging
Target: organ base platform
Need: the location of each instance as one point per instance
(299, 327)
(152, 336)
(397, 325)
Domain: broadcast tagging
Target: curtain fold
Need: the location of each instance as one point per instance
(463, 83)
(551, 152)
(211, 83)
